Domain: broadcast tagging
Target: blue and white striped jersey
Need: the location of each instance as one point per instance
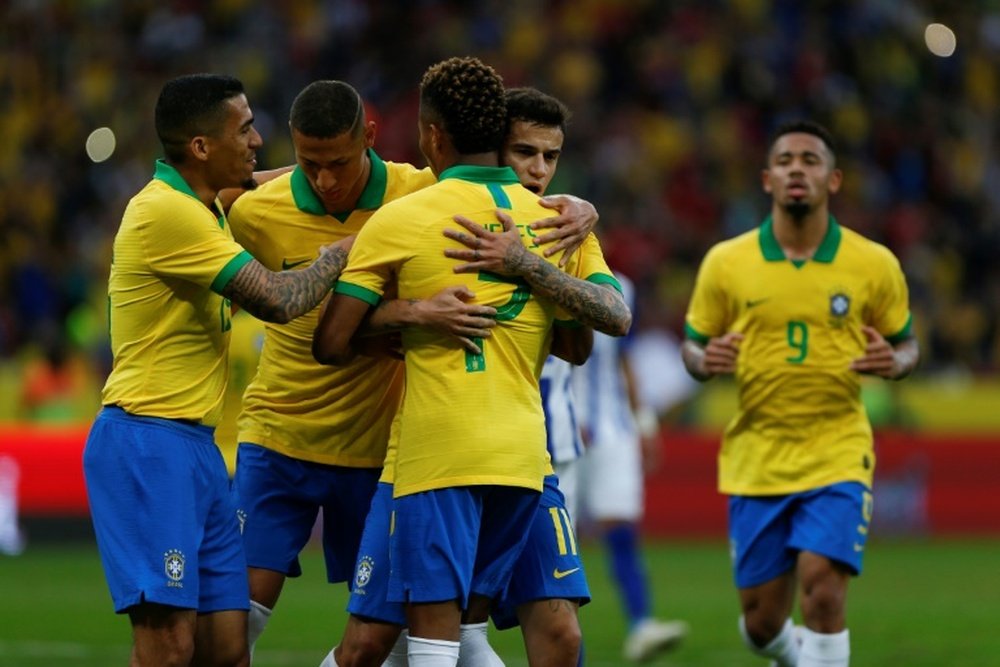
(562, 430)
(603, 408)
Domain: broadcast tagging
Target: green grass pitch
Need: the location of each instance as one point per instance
(919, 603)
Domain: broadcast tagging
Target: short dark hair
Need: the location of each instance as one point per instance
(533, 106)
(806, 127)
(327, 109)
(190, 106)
(468, 97)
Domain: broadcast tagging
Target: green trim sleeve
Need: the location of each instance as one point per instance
(358, 292)
(904, 333)
(231, 268)
(694, 335)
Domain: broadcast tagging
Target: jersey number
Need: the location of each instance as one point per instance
(565, 540)
(798, 340)
(476, 363)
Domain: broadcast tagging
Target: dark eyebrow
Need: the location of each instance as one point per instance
(793, 154)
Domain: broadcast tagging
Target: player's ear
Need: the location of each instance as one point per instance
(199, 147)
(765, 180)
(836, 179)
(437, 136)
(369, 134)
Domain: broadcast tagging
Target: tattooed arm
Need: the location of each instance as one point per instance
(597, 306)
(282, 296)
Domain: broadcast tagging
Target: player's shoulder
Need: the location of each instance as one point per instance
(407, 173)
(159, 199)
(741, 245)
(264, 194)
(403, 179)
(866, 248)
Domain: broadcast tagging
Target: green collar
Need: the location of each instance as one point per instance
(826, 251)
(169, 175)
(371, 197)
(468, 172)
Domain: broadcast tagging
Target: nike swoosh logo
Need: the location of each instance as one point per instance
(559, 574)
(285, 264)
(858, 547)
(756, 302)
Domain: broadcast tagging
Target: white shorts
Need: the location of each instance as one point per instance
(611, 486)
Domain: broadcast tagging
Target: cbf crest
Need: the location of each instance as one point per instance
(173, 566)
(840, 307)
(363, 574)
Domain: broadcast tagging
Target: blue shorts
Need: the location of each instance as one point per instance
(448, 543)
(370, 588)
(164, 514)
(280, 497)
(766, 533)
(550, 566)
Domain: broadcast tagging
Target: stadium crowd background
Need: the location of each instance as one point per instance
(673, 103)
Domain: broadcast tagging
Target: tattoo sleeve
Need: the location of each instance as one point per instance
(590, 304)
(283, 296)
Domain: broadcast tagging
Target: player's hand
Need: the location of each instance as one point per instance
(577, 218)
(497, 252)
(879, 357)
(721, 352)
(449, 312)
(343, 244)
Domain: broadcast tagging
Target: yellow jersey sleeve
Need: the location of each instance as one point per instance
(708, 313)
(890, 303)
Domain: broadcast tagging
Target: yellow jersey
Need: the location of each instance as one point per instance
(466, 419)
(800, 423)
(169, 325)
(294, 405)
(593, 266)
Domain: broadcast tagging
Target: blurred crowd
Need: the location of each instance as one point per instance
(673, 103)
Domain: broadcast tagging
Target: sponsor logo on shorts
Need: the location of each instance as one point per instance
(559, 574)
(364, 573)
(173, 566)
(859, 547)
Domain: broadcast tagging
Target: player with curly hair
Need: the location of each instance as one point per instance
(469, 469)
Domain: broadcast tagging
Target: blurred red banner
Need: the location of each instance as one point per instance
(924, 484)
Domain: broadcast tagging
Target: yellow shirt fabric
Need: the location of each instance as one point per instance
(169, 325)
(800, 423)
(594, 267)
(294, 405)
(466, 419)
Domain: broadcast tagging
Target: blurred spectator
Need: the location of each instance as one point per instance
(671, 102)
